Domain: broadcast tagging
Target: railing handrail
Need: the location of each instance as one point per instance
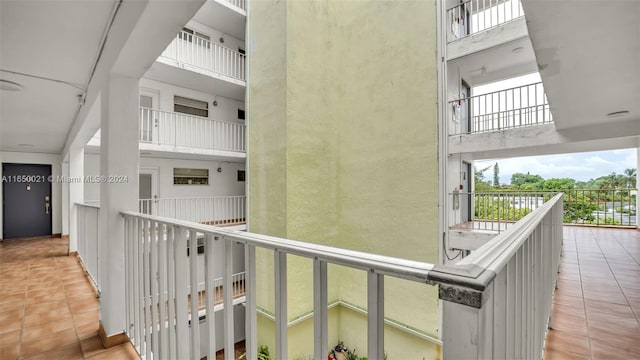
(498, 91)
(191, 116)
(542, 191)
(206, 41)
(381, 264)
(478, 270)
(198, 197)
(93, 204)
(510, 110)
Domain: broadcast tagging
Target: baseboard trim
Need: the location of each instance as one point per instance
(66, 237)
(113, 340)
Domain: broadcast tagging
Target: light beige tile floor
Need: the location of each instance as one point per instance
(48, 307)
(596, 307)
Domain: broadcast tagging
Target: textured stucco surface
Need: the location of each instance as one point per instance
(343, 147)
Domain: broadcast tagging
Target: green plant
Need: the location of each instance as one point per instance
(263, 354)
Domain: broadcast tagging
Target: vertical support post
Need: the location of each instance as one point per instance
(251, 318)
(468, 331)
(182, 318)
(76, 195)
(227, 291)
(320, 310)
(193, 286)
(280, 267)
(118, 158)
(210, 292)
(375, 318)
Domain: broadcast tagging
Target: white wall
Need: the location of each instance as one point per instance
(55, 160)
(220, 183)
(226, 110)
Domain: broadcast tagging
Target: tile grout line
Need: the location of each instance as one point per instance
(584, 303)
(73, 318)
(620, 287)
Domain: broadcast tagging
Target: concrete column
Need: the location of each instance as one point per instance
(66, 209)
(75, 190)
(119, 159)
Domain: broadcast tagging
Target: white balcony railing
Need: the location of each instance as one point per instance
(497, 301)
(497, 210)
(193, 50)
(474, 16)
(175, 129)
(87, 235)
(517, 107)
(214, 210)
(242, 4)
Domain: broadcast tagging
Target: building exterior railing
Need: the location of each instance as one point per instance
(516, 107)
(497, 210)
(196, 51)
(242, 4)
(213, 210)
(509, 281)
(175, 129)
(497, 301)
(87, 233)
(474, 16)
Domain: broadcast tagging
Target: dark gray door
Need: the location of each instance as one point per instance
(27, 206)
(465, 108)
(465, 196)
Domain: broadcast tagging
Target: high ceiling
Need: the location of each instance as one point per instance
(588, 54)
(49, 47)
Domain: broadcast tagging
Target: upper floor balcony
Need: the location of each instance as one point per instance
(194, 52)
(474, 16)
(477, 25)
(172, 131)
(517, 107)
(195, 62)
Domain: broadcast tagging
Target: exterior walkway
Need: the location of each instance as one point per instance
(596, 307)
(48, 307)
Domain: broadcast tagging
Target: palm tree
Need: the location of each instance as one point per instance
(630, 175)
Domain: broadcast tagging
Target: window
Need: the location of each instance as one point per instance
(190, 106)
(190, 35)
(183, 176)
(240, 175)
(240, 114)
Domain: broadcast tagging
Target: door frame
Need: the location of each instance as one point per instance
(155, 184)
(155, 105)
(4, 210)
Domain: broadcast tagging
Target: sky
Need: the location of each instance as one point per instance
(578, 166)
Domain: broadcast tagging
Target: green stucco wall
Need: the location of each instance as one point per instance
(343, 148)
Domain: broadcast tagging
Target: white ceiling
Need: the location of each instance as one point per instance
(52, 39)
(588, 53)
(218, 15)
(497, 63)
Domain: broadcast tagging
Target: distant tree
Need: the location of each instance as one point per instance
(520, 179)
(496, 175)
(559, 184)
(480, 184)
